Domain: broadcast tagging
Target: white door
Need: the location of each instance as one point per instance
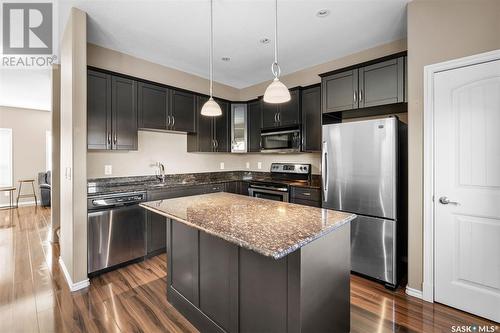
(467, 173)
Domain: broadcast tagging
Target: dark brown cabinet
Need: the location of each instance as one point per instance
(98, 110)
(311, 119)
(254, 119)
(237, 187)
(305, 196)
(373, 84)
(283, 114)
(212, 133)
(181, 111)
(153, 102)
(111, 112)
(161, 108)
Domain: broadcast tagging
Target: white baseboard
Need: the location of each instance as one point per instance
(72, 286)
(414, 292)
(21, 203)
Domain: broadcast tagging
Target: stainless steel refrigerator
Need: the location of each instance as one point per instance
(364, 172)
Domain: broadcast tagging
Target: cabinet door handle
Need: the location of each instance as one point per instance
(109, 138)
(173, 121)
(168, 122)
(275, 117)
(360, 95)
(355, 96)
(306, 194)
(116, 139)
(279, 117)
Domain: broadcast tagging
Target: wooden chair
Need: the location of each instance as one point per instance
(28, 195)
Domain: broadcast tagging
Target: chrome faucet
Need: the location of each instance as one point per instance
(161, 171)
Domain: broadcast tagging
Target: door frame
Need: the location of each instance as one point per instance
(428, 121)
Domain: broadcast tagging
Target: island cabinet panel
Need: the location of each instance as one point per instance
(219, 281)
(221, 287)
(263, 300)
(152, 105)
(184, 261)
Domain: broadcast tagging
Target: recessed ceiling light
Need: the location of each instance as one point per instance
(225, 58)
(323, 13)
(264, 41)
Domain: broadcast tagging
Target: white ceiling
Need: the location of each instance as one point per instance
(26, 88)
(175, 33)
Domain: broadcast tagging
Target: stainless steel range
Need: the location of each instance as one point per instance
(277, 188)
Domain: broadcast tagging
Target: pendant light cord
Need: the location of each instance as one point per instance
(211, 49)
(275, 68)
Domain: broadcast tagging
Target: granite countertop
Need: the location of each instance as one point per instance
(101, 186)
(271, 228)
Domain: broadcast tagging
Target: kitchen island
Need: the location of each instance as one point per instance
(243, 264)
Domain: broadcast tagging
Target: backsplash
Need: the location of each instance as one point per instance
(171, 150)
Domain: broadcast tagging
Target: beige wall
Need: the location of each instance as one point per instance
(171, 149)
(438, 30)
(104, 58)
(310, 76)
(28, 145)
(73, 239)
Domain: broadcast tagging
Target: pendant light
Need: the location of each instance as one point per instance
(211, 108)
(276, 92)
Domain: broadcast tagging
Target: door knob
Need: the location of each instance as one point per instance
(446, 201)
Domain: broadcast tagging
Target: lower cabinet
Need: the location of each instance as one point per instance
(156, 223)
(305, 196)
(237, 187)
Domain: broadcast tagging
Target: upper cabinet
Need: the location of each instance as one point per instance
(340, 91)
(375, 84)
(111, 112)
(161, 108)
(254, 115)
(283, 114)
(311, 119)
(381, 83)
(153, 103)
(211, 133)
(181, 111)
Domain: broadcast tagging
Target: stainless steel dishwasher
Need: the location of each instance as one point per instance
(116, 230)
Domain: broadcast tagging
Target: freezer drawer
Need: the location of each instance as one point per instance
(373, 248)
(115, 236)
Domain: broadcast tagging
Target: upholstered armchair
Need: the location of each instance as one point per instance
(44, 182)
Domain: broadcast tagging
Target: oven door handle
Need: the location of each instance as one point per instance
(269, 188)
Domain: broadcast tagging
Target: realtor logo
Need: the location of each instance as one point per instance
(27, 28)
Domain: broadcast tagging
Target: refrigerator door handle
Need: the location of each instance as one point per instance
(324, 169)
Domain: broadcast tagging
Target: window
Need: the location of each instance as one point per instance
(48, 150)
(5, 156)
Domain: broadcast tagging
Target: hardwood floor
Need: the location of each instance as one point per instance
(34, 296)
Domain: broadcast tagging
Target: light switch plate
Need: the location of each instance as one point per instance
(222, 165)
(248, 165)
(259, 165)
(108, 170)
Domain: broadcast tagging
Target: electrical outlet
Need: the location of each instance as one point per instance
(248, 165)
(222, 165)
(108, 170)
(259, 165)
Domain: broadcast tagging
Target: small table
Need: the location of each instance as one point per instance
(11, 190)
(29, 195)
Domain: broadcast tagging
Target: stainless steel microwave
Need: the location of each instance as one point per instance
(280, 141)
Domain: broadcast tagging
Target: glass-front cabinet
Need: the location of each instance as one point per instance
(239, 128)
